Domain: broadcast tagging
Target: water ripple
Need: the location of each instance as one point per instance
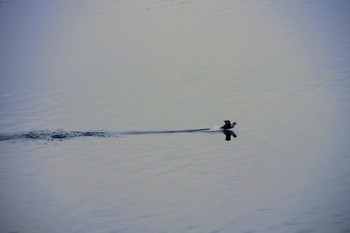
(62, 134)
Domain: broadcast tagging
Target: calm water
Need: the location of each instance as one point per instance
(139, 71)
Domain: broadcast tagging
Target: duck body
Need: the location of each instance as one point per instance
(228, 125)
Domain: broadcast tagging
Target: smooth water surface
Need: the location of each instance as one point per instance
(103, 101)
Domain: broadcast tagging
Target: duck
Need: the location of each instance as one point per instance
(228, 125)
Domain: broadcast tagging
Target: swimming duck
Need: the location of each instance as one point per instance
(228, 125)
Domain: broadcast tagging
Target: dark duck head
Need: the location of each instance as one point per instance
(228, 125)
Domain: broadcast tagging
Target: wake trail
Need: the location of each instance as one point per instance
(62, 134)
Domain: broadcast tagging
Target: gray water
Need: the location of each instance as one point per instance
(102, 105)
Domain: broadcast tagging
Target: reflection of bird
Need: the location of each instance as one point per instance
(228, 134)
(228, 125)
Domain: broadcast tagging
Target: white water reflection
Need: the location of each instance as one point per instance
(278, 68)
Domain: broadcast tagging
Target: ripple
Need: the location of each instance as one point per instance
(62, 134)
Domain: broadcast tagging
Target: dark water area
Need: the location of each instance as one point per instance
(110, 115)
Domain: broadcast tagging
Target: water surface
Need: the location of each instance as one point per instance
(137, 73)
